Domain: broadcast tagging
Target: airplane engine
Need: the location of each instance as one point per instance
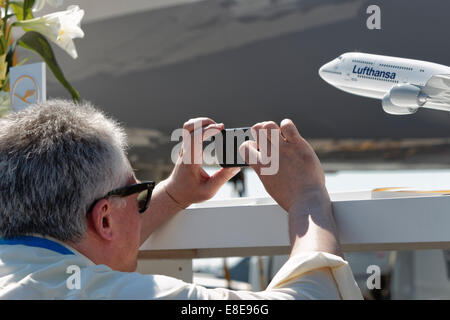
(391, 108)
(407, 95)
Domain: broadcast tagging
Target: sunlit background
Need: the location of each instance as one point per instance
(155, 64)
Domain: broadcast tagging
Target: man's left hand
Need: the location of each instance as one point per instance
(189, 183)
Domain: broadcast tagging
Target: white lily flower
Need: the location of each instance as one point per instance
(60, 27)
(39, 4)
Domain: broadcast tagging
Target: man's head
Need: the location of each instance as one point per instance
(56, 160)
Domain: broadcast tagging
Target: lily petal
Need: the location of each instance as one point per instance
(59, 27)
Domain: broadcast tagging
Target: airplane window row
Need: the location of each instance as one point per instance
(330, 71)
(361, 61)
(381, 79)
(393, 66)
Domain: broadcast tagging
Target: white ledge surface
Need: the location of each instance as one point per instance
(364, 224)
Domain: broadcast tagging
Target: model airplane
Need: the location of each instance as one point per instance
(403, 85)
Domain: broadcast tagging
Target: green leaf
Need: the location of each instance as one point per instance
(38, 43)
(17, 8)
(3, 45)
(4, 103)
(10, 54)
(27, 5)
(9, 60)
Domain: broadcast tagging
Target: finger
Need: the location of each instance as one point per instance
(192, 147)
(249, 152)
(219, 178)
(289, 131)
(254, 131)
(266, 145)
(269, 137)
(195, 123)
(201, 134)
(193, 141)
(204, 176)
(263, 130)
(258, 125)
(212, 130)
(268, 128)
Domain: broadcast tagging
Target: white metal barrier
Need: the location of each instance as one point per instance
(258, 226)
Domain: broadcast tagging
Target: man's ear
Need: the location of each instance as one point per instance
(101, 219)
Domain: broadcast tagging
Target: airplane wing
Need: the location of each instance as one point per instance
(437, 90)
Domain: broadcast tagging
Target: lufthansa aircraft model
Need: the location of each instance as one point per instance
(403, 85)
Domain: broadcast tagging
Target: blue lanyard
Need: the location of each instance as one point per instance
(32, 241)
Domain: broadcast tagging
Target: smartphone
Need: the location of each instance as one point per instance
(227, 146)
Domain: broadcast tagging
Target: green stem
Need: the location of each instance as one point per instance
(7, 32)
(5, 18)
(6, 37)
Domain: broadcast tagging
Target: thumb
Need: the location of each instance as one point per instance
(249, 152)
(219, 178)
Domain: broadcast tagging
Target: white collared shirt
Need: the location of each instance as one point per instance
(39, 268)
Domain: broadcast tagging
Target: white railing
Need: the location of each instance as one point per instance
(258, 226)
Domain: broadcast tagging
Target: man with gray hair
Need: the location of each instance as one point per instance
(69, 197)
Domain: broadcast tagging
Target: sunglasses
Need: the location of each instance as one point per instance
(144, 189)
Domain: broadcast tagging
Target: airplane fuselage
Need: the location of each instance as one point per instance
(373, 76)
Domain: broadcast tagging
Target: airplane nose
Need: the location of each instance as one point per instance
(324, 71)
(323, 74)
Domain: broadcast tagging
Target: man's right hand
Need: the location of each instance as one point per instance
(300, 173)
(298, 186)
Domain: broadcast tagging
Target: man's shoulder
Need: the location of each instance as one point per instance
(36, 273)
(100, 282)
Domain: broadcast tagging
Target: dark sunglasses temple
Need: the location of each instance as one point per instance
(147, 186)
(150, 188)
